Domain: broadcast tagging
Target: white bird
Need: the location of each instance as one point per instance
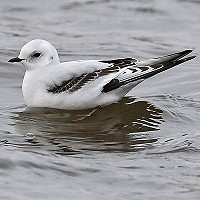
(83, 84)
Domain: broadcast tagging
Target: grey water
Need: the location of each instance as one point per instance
(147, 146)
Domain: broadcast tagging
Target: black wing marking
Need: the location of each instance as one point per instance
(77, 83)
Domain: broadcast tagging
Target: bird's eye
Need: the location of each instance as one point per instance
(36, 55)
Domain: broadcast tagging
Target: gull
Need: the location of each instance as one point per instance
(84, 84)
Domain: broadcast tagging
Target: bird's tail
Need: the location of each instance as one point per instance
(147, 69)
(164, 63)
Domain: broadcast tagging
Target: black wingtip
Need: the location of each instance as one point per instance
(184, 53)
(177, 62)
(190, 58)
(187, 51)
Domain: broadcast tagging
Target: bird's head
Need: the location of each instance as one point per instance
(37, 53)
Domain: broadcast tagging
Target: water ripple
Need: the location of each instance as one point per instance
(107, 129)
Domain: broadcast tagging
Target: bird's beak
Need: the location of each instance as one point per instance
(15, 60)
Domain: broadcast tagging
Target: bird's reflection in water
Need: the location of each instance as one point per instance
(121, 127)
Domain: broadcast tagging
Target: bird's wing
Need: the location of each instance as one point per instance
(146, 69)
(125, 71)
(80, 79)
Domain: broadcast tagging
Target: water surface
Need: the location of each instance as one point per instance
(144, 147)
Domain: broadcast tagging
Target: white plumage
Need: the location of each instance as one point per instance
(83, 84)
